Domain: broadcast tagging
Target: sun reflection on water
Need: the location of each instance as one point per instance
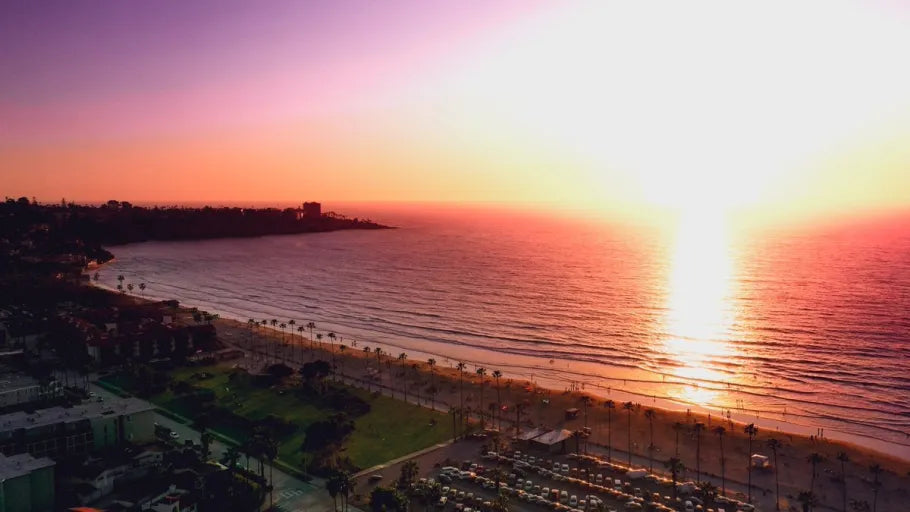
(698, 311)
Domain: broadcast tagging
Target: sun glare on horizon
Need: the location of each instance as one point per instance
(698, 309)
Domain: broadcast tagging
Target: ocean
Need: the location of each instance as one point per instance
(796, 329)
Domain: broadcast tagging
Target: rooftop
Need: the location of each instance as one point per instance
(87, 410)
(21, 464)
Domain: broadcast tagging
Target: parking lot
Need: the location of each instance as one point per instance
(565, 483)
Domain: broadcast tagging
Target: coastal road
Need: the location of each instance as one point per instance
(290, 494)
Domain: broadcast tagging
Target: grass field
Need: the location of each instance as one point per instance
(391, 429)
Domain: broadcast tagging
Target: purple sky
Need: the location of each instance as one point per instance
(77, 68)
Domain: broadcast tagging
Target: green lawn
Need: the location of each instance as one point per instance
(391, 429)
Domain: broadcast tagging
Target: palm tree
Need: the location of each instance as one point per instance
(311, 326)
(482, 372)
(502, 501)
(129, 286)
(774, 445)
(876, 471)
(808, 500)
(416, 372)
(142, 288)
(341, 349)
(751, 431)
(402, 357)
(496, 376)
(719, 431)
(231, 457)
(709, 491)
(332, 339)
(432, 363)
(274, 323)
(120, 278)
(519, 409)
(698, 427)
(678, 427)
(649, 413)
(455, 412)
(347, 487)
(300, 330)
(333, 487)
(271, 452)
(291, 323)
(844, 459)
(610, 405)
(461, 366)
(676, 467)
(815, 459)
(629, 406)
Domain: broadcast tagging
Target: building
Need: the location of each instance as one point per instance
(77, 430)
(311, 210)
(26, 484)
(16, 389)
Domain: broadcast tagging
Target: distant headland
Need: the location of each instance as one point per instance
(29, 230)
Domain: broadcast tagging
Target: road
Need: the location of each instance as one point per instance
(290, 493)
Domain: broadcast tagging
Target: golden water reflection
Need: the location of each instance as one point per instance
(698, 310)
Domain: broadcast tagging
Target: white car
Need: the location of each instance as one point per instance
(573, 501)
(689, 507)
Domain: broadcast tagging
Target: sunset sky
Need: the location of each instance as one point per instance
(613, 106)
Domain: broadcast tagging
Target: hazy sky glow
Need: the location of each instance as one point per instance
(785, 106)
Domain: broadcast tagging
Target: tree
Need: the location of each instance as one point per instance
(502, 501)
(815, 459)
(844, 459)
(291, 324)
(333, 487)
(496, 376)
(709, 491)
(649, 413)
(206, 441)
(677, 428)
(675, 466)
(610, 405)
(454, 412)
(300, 330)
(751, 431)
(409, 472)
(230, 458)
(142, 288)
(311, 326)
(808, 499)
(698, 427)
(384, 499)
(402, 357)
(774, 445)
(432, 363)
(629, 406)
(482, 372)
(719, 431)
(876, 471)
(461, 366)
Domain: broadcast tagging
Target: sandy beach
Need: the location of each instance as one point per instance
(544, 407)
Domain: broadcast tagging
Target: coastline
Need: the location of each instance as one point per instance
(356, 367)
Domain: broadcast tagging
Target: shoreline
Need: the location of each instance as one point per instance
(360, 370)
(785, 423)
(769, 420)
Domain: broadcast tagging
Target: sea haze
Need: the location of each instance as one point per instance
(809, 326)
